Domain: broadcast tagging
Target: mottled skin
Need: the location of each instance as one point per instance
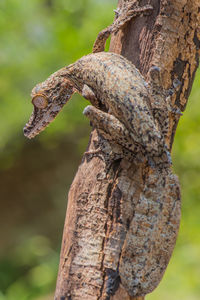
(152, 233)
(55, 91)
(127, 111)
(119, 97)
(123, 114)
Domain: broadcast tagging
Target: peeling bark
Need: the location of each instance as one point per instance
(102, 198)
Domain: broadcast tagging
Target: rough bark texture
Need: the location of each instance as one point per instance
(94, 231)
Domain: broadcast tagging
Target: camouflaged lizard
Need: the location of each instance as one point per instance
(134, 114)
(122, 92)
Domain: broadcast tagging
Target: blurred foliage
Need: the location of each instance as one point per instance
(38, 37)
(36, 262)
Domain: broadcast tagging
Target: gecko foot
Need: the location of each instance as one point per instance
(111, 128)
(175, 111)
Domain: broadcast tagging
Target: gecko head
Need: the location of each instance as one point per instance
(48, 98)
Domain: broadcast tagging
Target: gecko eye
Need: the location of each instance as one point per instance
(40, 101)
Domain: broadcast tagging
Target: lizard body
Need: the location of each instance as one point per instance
(121, 89)
(123, 114)
(125, 111)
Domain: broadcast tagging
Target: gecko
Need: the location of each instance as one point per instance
(123, 112)
(136, 114)
(125, 115)
(122, 92)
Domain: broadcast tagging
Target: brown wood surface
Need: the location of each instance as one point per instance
(168, 38)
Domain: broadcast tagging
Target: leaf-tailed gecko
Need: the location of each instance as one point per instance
(123, 108)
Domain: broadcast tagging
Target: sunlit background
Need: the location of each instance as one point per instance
(37, 37)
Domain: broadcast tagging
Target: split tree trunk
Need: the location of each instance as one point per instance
(170, 39)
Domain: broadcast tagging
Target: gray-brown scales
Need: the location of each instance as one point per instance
(121, 91)
(121, 109)
(134, 114)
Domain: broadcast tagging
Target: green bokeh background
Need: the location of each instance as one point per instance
(37, 37)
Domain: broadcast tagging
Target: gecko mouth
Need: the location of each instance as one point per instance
(44, 111)
(39, 120)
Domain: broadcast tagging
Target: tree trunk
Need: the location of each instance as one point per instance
(102, 196)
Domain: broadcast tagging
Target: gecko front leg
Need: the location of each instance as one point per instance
(112, 129)
(127, 11)
(88, 94)
(115, 131)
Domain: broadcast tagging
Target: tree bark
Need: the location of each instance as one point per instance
(100, 195)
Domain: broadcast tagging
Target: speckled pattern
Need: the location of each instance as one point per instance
(56, 90)
(152, 233)
(121, 89)
(132, 113)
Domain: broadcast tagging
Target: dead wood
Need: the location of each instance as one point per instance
(94, 231)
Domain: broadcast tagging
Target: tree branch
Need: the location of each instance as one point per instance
(102, 196)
